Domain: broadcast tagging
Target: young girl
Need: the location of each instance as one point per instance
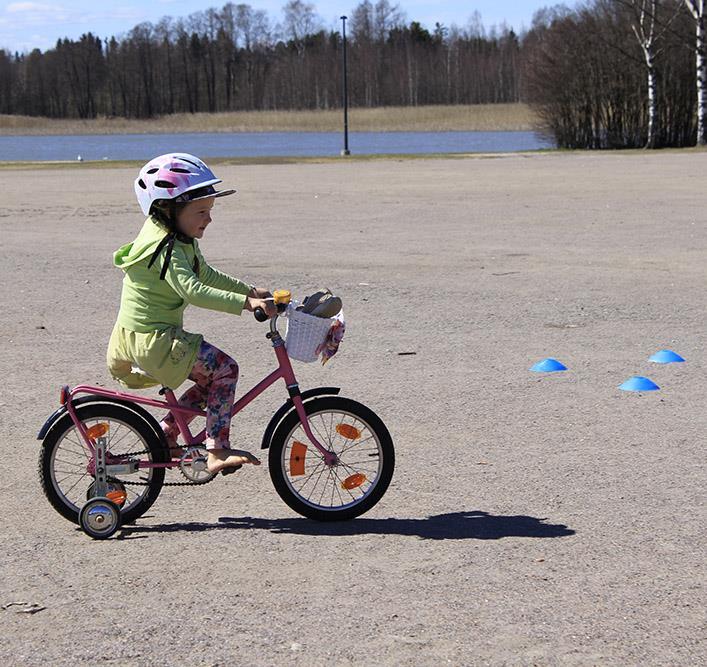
(164, 272)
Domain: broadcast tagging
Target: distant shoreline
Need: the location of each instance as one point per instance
(463, 118)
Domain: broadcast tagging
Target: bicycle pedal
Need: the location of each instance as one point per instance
(232, 469)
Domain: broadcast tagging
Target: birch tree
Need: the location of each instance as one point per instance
(697, 9)
(644, 29)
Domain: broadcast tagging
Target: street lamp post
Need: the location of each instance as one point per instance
(346, 150)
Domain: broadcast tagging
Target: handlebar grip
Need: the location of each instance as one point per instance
(262, 316)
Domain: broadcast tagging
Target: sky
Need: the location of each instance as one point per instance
(25, 25)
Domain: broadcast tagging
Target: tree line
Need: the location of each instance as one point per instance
(610, 73)
(237, 58)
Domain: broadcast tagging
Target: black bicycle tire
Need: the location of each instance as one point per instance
(277, 475)
(94, 411)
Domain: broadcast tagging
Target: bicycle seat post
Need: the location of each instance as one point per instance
(169, 395)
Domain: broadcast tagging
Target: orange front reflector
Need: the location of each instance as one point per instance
(97, 430)
(63, 395)
(118, 497)
(354, 481)
(299, 451)
(347, 431)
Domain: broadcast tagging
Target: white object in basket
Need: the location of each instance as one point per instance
(305, 333)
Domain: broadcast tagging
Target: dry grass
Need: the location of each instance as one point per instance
(488, 117)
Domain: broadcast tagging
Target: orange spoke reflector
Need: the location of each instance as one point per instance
(97, 430)
(354, 481)
(297, 454)
(118, 497)
(347, 431)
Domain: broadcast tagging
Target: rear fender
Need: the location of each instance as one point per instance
(134, 407)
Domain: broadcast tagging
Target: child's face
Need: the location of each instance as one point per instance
(195, 217)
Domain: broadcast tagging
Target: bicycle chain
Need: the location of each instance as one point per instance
(147, 451)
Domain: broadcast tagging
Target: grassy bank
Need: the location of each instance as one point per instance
(483, 117)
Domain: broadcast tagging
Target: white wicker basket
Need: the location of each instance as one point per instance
(305, 333)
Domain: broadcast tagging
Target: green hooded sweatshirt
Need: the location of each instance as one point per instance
(148, 333)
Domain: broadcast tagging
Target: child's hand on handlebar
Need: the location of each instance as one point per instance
(259, 293)
(268, 305)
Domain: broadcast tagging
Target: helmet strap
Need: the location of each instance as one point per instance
(168, 241)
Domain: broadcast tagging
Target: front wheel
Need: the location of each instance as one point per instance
(351, 487)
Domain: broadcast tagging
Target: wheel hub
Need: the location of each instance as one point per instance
(99, 518)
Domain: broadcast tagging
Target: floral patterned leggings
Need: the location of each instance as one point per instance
(215, 375)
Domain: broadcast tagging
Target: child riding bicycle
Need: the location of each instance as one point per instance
(164, 272)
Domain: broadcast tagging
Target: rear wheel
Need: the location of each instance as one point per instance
(343, 491)
(65, 461)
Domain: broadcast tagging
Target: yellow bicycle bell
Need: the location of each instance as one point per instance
(282, 296)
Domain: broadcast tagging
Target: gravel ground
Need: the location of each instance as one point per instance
(532, 520)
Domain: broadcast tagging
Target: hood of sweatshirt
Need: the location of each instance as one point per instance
(143, 246)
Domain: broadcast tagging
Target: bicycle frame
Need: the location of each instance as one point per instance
(284, 371)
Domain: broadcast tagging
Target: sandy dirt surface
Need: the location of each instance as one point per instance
(532, 519)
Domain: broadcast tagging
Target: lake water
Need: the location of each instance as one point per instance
(261, 144)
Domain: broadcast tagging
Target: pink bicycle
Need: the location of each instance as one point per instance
(103, 456)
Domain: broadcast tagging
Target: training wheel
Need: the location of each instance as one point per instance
(99, 518)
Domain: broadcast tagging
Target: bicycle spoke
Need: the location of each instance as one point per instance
(79, 465)
(113, 434)
(309, 477)
(359, 441)
(81, 445)
(359, 469)
(311, 423)
(71, 474)
(367, 453)
(331, 422)
(75, 483)
(327, 431)
(324, 489)
(323, 470)
(334, 487)
(76, 452)
(113, 445)
(341, 485)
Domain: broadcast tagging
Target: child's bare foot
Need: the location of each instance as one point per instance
(228, 458)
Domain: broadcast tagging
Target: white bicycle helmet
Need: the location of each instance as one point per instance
(175, 176)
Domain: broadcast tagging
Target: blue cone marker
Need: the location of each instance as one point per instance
(548, 365)
(666, 357)
(639, 383)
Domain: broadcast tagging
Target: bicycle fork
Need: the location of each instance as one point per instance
(330, 458)
(288, 374)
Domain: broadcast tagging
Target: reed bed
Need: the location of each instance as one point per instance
(482, 117)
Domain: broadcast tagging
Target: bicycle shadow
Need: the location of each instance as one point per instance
(475, 524)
